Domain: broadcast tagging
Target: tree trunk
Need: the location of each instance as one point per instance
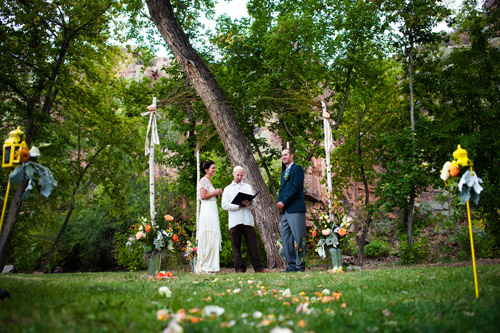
(237, 147)
(366, 227)
(59, 236)
(10, 222)
(409, 218)
(411, 199)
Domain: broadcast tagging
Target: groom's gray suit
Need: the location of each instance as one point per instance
(293, 218)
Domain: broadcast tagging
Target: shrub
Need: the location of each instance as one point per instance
(350, 247)
(416, 254)
(126, 256)
(484, 244)
(377, 248)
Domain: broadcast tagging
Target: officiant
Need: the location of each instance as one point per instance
(241, 221)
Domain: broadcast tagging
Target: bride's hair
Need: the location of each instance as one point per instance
(206, 165)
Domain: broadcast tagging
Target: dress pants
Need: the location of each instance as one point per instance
(251, 238)
(293, 233)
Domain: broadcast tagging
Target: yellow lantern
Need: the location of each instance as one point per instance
(461, 157)
(13, 149)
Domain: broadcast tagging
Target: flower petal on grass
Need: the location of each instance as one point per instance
(165, 291)
(257, 315)
(281, 330)
(213, 310)
(162, 314)
(325, 292)
(301, 323)
(287, 293)
(237, 291)
(228, 324)
(181, 315)
(173, 327)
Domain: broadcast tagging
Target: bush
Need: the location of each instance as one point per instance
(131, 258)
(350, 247)
(377, 248)
(416, 254)
(484, 244)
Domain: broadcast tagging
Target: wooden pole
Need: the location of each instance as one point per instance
(197, 191)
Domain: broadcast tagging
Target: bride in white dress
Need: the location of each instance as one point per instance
(208, 230)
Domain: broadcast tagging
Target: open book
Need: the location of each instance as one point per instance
(240, 197)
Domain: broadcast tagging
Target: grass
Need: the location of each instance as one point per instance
(399, 300)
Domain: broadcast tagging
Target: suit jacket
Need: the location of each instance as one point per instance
(292, 190)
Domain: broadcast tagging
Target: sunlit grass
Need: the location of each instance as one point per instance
(410, 299)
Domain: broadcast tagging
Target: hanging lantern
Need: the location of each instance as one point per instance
(15, 151)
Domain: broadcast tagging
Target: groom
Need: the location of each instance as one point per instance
(292, 205)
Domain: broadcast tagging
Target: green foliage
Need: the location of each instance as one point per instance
(377, 248)
(416, 254)
(126, 256)
(484, 245)
(350, 247)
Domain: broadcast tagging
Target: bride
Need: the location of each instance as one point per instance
(208, 230)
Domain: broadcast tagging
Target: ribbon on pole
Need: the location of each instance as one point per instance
(155, 140)
(150, 149)
(328, 146)
(198, 199)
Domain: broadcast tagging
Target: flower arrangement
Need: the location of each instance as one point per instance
(328, 233)
(154, 237)
(189, 251)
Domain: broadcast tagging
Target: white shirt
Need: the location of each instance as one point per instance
(237, 215)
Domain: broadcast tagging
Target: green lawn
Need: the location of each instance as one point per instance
(409, 299)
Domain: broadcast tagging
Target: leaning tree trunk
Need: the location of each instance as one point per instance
(366, 227)
(8, 226)
(411, 199)
(237, 147)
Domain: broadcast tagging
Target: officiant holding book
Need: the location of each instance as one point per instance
(241, 221)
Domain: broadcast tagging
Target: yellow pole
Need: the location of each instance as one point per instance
(472, 250)
(4, 205)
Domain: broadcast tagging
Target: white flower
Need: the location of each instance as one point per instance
(165, 291)
(304, 307)
(237, 291)
(281, 330)
(213, 309)
(173, 327)
(325, 292)
(325, 232)
(161, 314)
(287, 293)
(257, 315)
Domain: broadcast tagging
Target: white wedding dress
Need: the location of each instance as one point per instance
(208, 233)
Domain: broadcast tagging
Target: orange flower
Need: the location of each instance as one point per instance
(315, 233)
(342, 232)
(175, 238)
(163, 275)
(169, 217)
(148, 228)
